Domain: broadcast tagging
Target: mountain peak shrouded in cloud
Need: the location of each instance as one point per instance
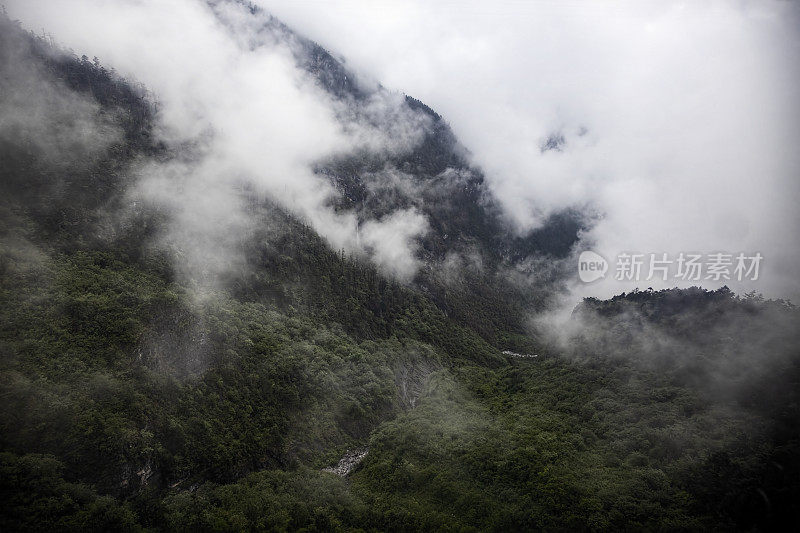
(689, 112)
(271, 112)
(260, 106)
(657, 124)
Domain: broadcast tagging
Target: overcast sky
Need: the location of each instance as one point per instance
(681, 119)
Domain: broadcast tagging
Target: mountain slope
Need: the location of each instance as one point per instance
(136, 398)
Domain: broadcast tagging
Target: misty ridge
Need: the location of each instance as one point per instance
(245, 286)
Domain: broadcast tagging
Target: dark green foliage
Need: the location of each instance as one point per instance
(36, 498)
(739, 352)
(270, 500)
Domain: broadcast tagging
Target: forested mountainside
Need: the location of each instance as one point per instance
(132, 402)
(434, 177)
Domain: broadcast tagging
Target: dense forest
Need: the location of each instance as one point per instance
(135, 398)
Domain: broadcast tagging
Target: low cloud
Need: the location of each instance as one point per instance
(390, 239)
(244, 120)
(40, 115)
(675, 124)
(679, 120)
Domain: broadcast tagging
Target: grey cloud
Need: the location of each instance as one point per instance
(680, 120)
(40, 115)
(228, 84)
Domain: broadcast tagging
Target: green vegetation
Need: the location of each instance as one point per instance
(217, 415)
